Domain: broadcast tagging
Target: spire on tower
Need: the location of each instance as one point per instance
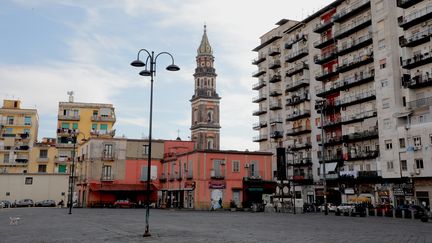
(205, 48)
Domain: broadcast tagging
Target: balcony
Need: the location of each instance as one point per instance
(22, 160)
(325, 56)
(407, 3)
(353, 27)
(417, 60)
(417, 82)
(65, 132)
(415, 18)
(109, 177)
(306, 179)
(416, 39)
(297, 55)
(274, 64)
(42, 160)
(98, 133)
(324, 42)
(259, 125)
(356, 62)
(276, 134)
(64, 145)
(163, 177)
(297, 99)
(298, 130)
(300, 146)
(217, 173)
(259, 98)
(261, 83)
(323, 26)
(276, 120)
(369, 175)
(69, 117)
(103, 119)
(348, 82)
(355, 98)
(335, 140)
(326, 74)
(8, 135)
(273, 51)
(260, 138)
(275, 92)
(297, 69)
(275, 105)
(358, 117)
(107, 156)
(24, 135)
(356, 44)
(261, 58)
(293, 86)
(260, 111)
(363, 155)
(330, 158)
(298, 114)
(354, 8)
(189, 174)
(361, 136)
(275, 78)
(290, 43)
(420, 103)
(259, 72)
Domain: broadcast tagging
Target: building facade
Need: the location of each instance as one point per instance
(345, 93)
(205, 126)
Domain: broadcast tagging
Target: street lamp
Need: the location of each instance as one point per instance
(73, 136)
(150, 70)
(320, 105)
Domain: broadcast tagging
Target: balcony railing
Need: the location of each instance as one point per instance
(292, 86)
(274, 51)
(103, 119)
(297, 55)
(420, 103)
(325, 41)
(418, 81)
(42, 160)
(298, 130)
(217, 173)
(259, 72)
(276, 105)
(407, 3)
(326, 74)
(260, 138)
(353, 27)
(22, 160)
(355, 98)
(331, 158)
(275, 120)
(415, 18)
(325, 56)
(260, 111)
(348, 82)
(362, 155)
(275, 92)
(363, 135)
(258, 125)
(275, 78)
(369, 174)
(417, 60)
(274, 64)
(359, 116)
(297, 69)
(276, 134)
(356, 62)
(105, 177)
(108, 156)
(259, 59)
(261, 83)
(297, 99)
(69, 117)
(354, 8)
(298, 38)
(102, 132)
(355, 44)
(298, 114)
(259, 98)
(323, 25)
(332, 140)
(416, 39)
(300, 146)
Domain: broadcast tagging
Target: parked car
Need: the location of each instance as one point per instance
(45, 203)
(309, 207)
(124, 204)
(24, 203)
(387, 208)
(331, 207)
(344, 209)
(5, 204)
(417, 210)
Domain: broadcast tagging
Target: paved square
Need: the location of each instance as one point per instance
(127, 225)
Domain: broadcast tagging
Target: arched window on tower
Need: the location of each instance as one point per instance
(210, 116)
(210, 143)
(195, 117)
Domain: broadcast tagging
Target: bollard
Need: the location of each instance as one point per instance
(394, 213)
(412, 214)
(403, 213)
(367, 212)
(375, 212)
(383, 213)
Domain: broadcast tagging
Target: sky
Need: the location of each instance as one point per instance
(50, 47)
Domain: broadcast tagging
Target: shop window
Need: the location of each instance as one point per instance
(404, 165)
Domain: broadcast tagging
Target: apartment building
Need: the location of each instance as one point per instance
(18, 134)
(341, 68)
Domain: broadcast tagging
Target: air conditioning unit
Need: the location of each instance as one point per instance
(246, 165)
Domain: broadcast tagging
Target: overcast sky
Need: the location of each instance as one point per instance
(48, 47)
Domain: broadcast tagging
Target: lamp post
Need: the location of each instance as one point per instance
(73, 137)
(151, 64)
(320, 105)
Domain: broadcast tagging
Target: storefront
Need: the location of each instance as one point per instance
(254, 189)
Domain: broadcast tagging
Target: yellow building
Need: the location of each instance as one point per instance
(85, 120)
(43, 158)
(18, 134)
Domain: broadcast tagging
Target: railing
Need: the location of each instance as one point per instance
(298, 130)
(258, 59)
(103, 118)
(423, 35)
(353, 25)
(259, 98)
(297, 68)
(273, 51)
(274, 64)
(361, 115)
(302, 82)
(258, 72)
(102, 132)
(369, 174)
(298, 38)
(107, 177)
(322, 25)
(275, 105)
(354, 98)
(353, 43)
(298, 113)
(258, 125)
(407, 3)
(298, 146)
(419, 80)
(297, 98)
(300, 161)
(42, 160)
(417, 60)
(420, 103)
(325, 55)
(275, 78)
(356, 61)
(361, 135)
(321, 75)
(275, 92)
(323, 42)
(276, 120)
(107, 156)
(259, 138)
(415, 15)
(291, 57)
(21, 160)
(353, 7)
(362, 154)
(261, 83)
(69, 117)
(217, 173)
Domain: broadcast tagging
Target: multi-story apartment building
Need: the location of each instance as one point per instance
(344, 105)
(43, 158)
(18, 134)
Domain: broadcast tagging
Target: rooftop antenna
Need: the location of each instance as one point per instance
(71, 98)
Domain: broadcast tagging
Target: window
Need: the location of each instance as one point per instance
(381, 44)
(210, 143)
(43, 153)
(74, 125)
(404, 165)
(235, 166)
(10, 120)
(9, 130)
(108, 151)
(26, 131)
(29, 180)
(103, 127)
(368, 167)
(417, 141)
(6, 158)
(430, 138)
(390, 165)
(350, 167)
(42, 168)
(145, 149)
(382, 63)
(384, 83)
(401, 142)
(387, 123)
(65, 125)
(94, 126)
(95, 112)
(388, 144)
(27, 120)
(62, 169)
(106, 172)
(419, 163)
(385, 103)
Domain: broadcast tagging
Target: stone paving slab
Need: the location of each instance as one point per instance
(127, 225)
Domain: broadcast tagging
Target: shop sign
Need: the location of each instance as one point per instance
(349, 191)
(405, 189)
(217, 184)
(190, 184)
(255, 189)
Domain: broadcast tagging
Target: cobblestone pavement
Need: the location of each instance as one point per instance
(127, 225)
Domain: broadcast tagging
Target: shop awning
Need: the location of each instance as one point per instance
(121, 187)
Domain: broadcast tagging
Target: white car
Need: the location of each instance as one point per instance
(344, 208)
(331, 207)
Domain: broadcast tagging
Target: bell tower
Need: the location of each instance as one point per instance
(205, 101)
